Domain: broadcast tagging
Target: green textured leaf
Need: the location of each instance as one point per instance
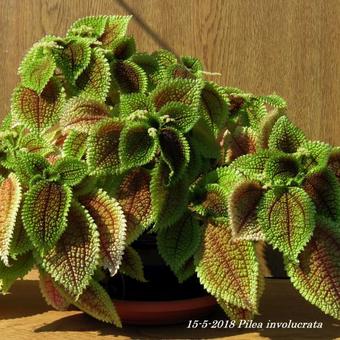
(285, 136)
(168, 201)
(135, 105)
(186, 271)
(10, 193)
(287, 219)
(115, 28)
(282, 169)
(242, 209)
(175, 152)
(136, 146)
(96, 302)
(315, 156)
(16, 269)
(317, 275)
(323, 188)
(193, 64)
(33, 143)
(74, 258)
(179, 242)
(75, 144)
(266, 127)
(178, 71)
(132, 265)
(164, 58)
(124, 48)
(94, 82)
(214, 202)
(81, 115)
(150, 66)
(20, 242)
(49, 290)
(73, 58)
(71, 171)
(227, 178)
(256, 112)
(180, 116)
(38, 112)
(29, 165)
(228, 269)
(134, 196)
(37, 68)
(89, 27)
(44, 213)
(273, 100)
(214, 107)
(204, 137)
(251, 166)
(111, 223)
(102, 147)
(179, 90)
(129, 76)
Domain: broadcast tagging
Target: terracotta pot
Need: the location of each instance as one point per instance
(161, 300)
(164, 312)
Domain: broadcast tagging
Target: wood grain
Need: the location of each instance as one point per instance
(290, 47)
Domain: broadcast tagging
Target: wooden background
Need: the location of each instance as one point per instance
(290, 47)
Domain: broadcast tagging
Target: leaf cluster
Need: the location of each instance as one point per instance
(104, 143)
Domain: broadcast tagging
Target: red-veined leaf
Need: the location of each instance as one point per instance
(96, 302)
(95, 80)
(242, 208)
(179, 90)
(324, 190)
(51, 293)
(44, 213)
(81, 115)
(287, 219)
(129, 77)
(74, 258)
(285, 136)
(110, 220)
(317, 275)
(10, 193)
(102, 147)
(135, 199)
(37, 68)
(238, 143)
(227, 268)
(115, 28)
(38, 112)
(73, 58)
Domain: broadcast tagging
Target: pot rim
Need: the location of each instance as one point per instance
(171, 305)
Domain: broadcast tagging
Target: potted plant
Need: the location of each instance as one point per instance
(109, 154)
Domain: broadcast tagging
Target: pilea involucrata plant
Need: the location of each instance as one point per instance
(104, 143)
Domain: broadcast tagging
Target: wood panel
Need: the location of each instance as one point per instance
(290, 47)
